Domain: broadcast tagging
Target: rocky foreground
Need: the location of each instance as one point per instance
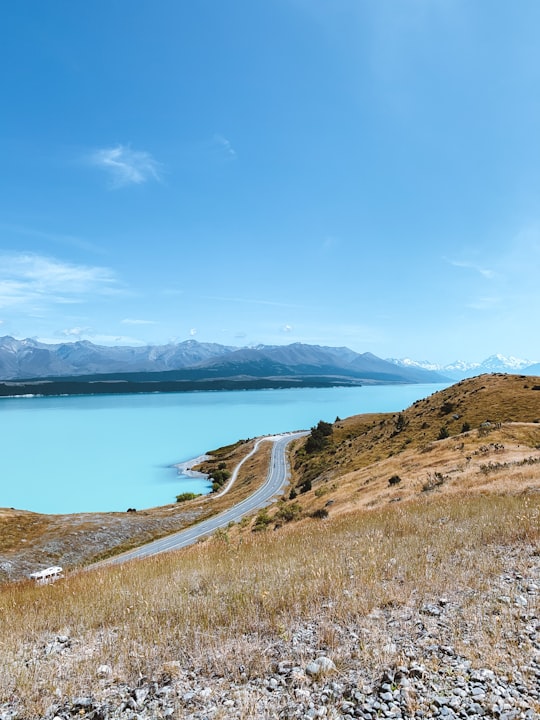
(429, 661)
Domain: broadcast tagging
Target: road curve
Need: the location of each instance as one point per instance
(278, 474)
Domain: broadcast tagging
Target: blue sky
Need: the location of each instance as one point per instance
(336, 172)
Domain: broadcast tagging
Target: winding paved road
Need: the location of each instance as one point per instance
(276, 478)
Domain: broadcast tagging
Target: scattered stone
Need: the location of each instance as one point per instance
(438, 675)
(430, 609)
(321, 666)
(104, 671)
(82, 702)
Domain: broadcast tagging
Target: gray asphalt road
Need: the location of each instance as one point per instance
(276, 478)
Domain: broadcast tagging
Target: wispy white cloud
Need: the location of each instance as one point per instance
(114, 339)
(73, 335)
(193, 332)
(485, 272)
(75, 332)
(225, 144)
(251, 301)
(126, 166)
(330, 243)
(51, 237)
(137, 321)
(32, 281)
(287, 328)
(484, 303)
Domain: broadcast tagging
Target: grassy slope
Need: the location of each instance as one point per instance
(365, 451)
(217, 605)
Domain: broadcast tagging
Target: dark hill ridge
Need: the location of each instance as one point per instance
(313, 360)
(29, 367)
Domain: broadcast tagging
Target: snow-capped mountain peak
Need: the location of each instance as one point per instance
(510, 363)
(460, 368)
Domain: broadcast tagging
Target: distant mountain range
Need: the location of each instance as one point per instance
(459, 369)
(29, 366)
(32, 359)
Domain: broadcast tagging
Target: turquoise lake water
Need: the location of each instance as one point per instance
(103, 453)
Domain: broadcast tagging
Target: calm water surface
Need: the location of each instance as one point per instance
(102, 453)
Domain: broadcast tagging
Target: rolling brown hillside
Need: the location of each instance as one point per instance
(476, 436)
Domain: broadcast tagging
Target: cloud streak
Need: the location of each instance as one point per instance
(484, 303)
(485, 272)
(225, 144)
(126, 166)
(29, 281)
(137, 321)
(57, 238)
(251, 301)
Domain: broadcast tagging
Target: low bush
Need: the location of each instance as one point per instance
(289, 512)
(433, 481)
(443, 433)
(183, 497)
(262, 521)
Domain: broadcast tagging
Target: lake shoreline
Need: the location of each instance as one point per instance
(106, 453)
(185, 468)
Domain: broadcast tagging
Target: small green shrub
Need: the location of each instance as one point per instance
(289, 512)
(305, 487)
(183, 497)
(220, 476)
(443, 433)
(318, 439)
(262, 521)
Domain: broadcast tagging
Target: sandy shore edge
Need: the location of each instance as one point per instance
(184, 468)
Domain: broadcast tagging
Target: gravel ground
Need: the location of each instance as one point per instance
(428, 661)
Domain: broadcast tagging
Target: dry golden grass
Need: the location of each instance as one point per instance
(17, 524)
(500, 462)
(362, 440)
(226, 603)
(468, 510)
